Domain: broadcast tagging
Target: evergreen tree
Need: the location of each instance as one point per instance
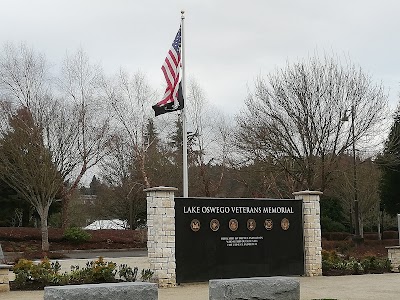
(176, 143)
(14, 210)
(94, 186)
(26, 165)
(390, 165)
(174, 152)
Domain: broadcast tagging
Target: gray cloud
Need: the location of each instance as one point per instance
(228, 42)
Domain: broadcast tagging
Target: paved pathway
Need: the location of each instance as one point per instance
(356, 287)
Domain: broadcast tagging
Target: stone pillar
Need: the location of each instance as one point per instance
(312, 232)
(394, 257)
(161, 234)
(4, 281)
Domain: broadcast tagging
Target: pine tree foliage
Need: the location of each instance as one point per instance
(390, 165)
(26, 165)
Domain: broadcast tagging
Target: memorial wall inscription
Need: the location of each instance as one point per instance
(227, 238)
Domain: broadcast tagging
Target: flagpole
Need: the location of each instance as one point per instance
(183, 114)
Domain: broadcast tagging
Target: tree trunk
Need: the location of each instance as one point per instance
(142, 169)
(361, 224)
(379, 227)
(44, 230)
(67, 194)
(64, 211)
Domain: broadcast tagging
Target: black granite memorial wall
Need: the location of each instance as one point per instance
(236, 238)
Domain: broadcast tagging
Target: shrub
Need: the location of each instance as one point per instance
(335, 264)
(76, 235)
(99, 271)
(390, 235)
(44, 273)
(329, 225)
(146, 275)
(372, 236)
(126, 273)
(336, 236)
(95, 272)
(22, 271)
(372, 264)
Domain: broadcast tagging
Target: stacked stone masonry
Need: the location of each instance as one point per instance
(4, 280)
(312, 232)
(394, 257)
(161, 234)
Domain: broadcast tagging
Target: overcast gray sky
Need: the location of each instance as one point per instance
(228, 42)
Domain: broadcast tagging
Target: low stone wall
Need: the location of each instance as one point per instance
(261, 288)
(104, 291)
(394, 257)
(4, 280)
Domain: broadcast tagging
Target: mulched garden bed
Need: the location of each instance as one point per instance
(29, 286)
(27, 241)
(367, 248)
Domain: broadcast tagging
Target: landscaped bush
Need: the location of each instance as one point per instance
(94, 272)
(28, 233)
(127, 273)
(29, 275)
(28, 241)
(43, 273)
(329, 225)
(335, 264)
(373, 265)
(390, 235)
(373, 236)
(336, 236)
(76, 235)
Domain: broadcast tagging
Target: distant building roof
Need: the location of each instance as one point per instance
(108, 224)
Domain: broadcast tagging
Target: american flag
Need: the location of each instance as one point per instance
(171, 69)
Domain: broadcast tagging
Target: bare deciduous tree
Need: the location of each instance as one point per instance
(342, 187)
(211, 132)
(130, 99)
(23, 75)
(85, 143)
(74, 129)
(297, 115)
(127, 168)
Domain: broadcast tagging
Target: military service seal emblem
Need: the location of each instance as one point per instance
(195, 225)
(214, 225)
(233, 224)
(285, 224)
(268, 224)
(251, 224)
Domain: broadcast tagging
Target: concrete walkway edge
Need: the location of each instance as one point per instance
(354, 287)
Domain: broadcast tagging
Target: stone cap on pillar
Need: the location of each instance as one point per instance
(307, 192)
(161, 188)
(5, 267)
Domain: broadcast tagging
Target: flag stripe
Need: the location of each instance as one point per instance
(166, 75)
(172, 99)
(174, 56)
(170, 70)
